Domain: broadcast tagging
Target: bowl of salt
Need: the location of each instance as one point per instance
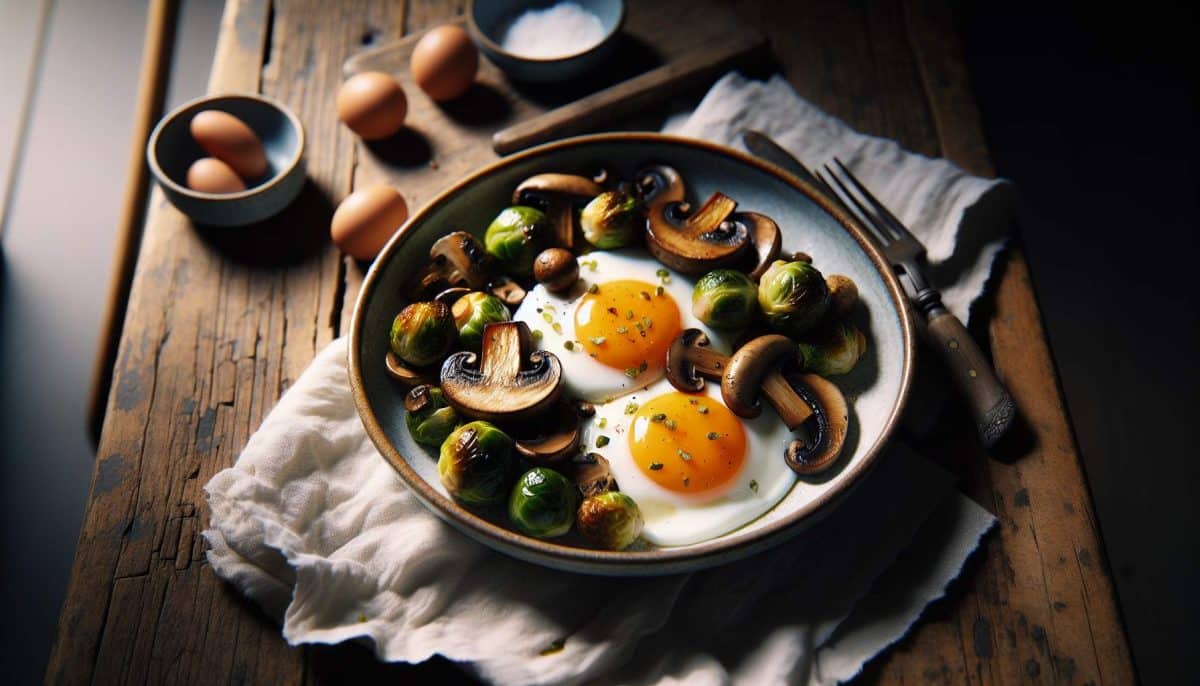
(545, 41)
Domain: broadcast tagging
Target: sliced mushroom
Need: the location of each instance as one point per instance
(767, 240)
(504, 382)
(690, 361)
(406, 375)
(591, 473)
(827, 433)
(456, 259)
(451, 295)
(549, 440)
(659, 185)
(510, 292)
(758, 366)
(558, 195)
(699, 241)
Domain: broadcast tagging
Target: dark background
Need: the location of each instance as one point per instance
(1092, 113)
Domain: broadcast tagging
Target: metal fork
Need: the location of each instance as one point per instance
(991, 405)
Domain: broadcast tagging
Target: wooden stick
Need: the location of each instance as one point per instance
(152, 82)
(593, 111)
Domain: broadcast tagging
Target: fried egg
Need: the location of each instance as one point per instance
(696, 470)
(613, 328)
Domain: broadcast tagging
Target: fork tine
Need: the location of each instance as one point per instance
(855, 206)
(881, 210)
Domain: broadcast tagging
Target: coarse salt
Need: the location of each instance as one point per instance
(563, 29)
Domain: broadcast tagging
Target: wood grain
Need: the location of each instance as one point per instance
(220, 324)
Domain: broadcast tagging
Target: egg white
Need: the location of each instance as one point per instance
(673, 519)
(586, 378)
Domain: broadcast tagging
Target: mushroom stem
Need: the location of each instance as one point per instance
(504, 383)
(696, 242)
(792, 409)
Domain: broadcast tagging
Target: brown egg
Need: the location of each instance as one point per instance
(366, 219)
(228, 139)
(210, 175)
(372, 104)
(444, 63)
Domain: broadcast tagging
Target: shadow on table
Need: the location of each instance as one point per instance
(297, 233)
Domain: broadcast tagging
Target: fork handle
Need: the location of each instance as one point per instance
(990, 404)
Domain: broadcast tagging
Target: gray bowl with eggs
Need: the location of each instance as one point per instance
(171, 150)
(877, 389)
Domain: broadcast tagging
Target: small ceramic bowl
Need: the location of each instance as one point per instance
(171, 150)
(488, 20)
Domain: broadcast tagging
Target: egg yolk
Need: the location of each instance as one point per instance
(627, 325)
(690, 444)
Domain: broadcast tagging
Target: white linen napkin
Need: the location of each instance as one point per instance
(318, 529)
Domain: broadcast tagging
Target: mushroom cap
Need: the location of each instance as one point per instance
(827, 428)
(459, 259)
(547, 187)
(749, 367)
(700, 241)
(550, 440)
(682, 358)
(591, 473)
(767, 240)
(406, 375)
(659, 185)
(504, 383)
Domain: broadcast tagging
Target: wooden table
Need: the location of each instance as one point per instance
(215, 333)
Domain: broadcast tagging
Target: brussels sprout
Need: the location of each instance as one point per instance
(724, 299)
(543, 503)
(793, 296)
(422, 333)
(473, 312)
(832, 348)
(612, 220)
(429, 418)
(610, 520)
(514, 236)
(476, 464)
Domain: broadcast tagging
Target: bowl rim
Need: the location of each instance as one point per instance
(493, 46)
(286, 171)
(669, 559)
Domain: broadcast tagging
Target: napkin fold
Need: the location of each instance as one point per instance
(319, 530)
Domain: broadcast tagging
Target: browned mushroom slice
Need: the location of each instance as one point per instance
(504, 383)
(827, 429)
(558, 195)
(591, 473)
(408, 376)
(451, 295)
(658, 186)
(767, 240)
(690, 361)
(548, 441)
(510, 292)
(456, 259)
(758, 366)
(697, 242)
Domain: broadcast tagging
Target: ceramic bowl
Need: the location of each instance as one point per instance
(171, 150)
(488, 20)
(877, 388)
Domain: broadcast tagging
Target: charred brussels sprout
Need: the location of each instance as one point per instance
(422, 333)
(476, 464)
(793, 296)
(610, 520)
(429, 418)
(832, 348)
(724, 299)
(612, 220)
(514, 238)
(543, 503)
(473, 312)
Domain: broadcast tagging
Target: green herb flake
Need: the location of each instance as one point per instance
(569, 345)
(659, 291)
(631, 407)
(555, 646)
(537, 334)
(597, 340)
(601, 441)
(713, 435)
(670, 424)
(647, 323)
(632, 372)
(754, 485)
(685, 455)
(603, 422)
(547, 317)
(557, 328)
(703, 409)
(655, 466)
(593, 289)
(693, 401)
(663, 274)
(629, 314)
(622, 329)
(361, 618)
(658, 417)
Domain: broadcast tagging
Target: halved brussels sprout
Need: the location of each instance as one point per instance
(610, 520)
(422, 333)
(724, 299)
(793, 296)
(429, 418)
(832, 348)
(515, 236)
(475, 464)
(473, 312)
(543, 503)
(612, 220)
